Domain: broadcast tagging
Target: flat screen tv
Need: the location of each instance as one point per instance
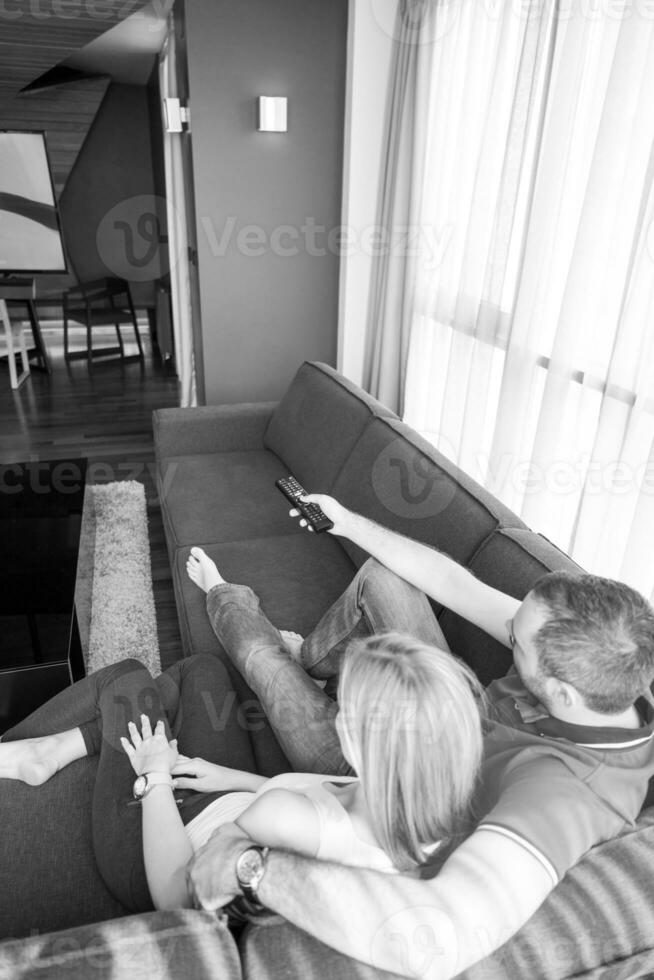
(30, 229)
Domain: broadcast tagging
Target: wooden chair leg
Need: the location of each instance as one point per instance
(138, 340)
(89, 350)
(43, 358)
(120, 340)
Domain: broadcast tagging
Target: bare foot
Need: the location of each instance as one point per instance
(202, 570)
(293, 643)
(31, 760)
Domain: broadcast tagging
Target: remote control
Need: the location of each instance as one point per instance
(312, 513)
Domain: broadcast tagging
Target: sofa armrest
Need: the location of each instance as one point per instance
(210, 429)
(598, 922)
(184, 943)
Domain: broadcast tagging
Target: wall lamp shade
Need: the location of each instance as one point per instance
(272, 115)
(177, 116)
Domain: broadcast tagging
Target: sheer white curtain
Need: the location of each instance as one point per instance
(531, 357)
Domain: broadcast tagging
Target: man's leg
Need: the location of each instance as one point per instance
(376, 601)
(300, 713)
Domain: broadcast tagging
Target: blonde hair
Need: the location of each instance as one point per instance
(411, 728)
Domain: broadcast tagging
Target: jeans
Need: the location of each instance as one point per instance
(195, 699)
(300, 713)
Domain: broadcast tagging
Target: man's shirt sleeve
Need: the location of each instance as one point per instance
(549, 811)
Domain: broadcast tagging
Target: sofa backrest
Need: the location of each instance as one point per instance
(512, 560)
(337, 439)
(397, 478)
(317, 423)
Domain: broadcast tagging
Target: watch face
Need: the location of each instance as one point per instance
(140, 785)
(249, 865)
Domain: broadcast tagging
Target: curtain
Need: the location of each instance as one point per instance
(389, 319)
(178, 236)
(531, 347)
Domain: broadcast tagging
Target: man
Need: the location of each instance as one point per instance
(569, 751)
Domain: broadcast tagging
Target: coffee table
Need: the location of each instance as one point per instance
(41, 505)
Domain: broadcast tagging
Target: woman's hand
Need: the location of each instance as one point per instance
(150, 751)
(202, 776)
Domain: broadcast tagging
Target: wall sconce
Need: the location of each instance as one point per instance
(177, 116)
(272, 114)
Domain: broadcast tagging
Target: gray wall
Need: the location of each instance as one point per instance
(114, 169)
(262, 314)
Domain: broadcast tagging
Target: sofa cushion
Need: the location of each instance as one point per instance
(49, 875)
(297, 578)
(511, 560)
(317, 423)
(185, 943)
(397, 478)
(224, 497)
(597, 923)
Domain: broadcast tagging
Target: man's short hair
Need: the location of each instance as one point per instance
(598, 637)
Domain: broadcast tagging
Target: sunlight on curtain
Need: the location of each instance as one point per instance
(531, 358)
(484, 110)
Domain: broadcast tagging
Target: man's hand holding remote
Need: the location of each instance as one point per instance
(331, 508)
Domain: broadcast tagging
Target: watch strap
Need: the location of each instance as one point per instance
(152, 779)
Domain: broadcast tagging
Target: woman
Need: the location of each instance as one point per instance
(408, 725)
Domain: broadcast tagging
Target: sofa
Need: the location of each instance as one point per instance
(216, 468)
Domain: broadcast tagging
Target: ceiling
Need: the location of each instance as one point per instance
(127, 51)
(34, 37)
(97, 41)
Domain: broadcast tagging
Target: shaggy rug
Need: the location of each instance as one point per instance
(114, 597)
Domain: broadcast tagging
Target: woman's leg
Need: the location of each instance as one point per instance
(128, 693)
(301, 715)
(63, 729)
(205, 714)
(195, 696)
(196, 700)
(208, 721)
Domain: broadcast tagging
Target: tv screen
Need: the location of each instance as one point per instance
(30, 232)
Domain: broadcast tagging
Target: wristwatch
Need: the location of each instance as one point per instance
(144, 783)
(250, 868)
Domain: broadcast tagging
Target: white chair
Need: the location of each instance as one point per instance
(14, 343)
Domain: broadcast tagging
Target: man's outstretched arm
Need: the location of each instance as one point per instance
(429, 570)
(428, 929)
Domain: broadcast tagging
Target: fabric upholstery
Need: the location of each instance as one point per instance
(511, 560)
(317, 423)
(155, 946)
(46, 855)
(210, 428)
(397, 478)
(228, 496)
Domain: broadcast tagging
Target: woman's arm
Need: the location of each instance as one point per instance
(207, 777)
(166, 849)
(278, 818)
(166, 846)
(282, 818)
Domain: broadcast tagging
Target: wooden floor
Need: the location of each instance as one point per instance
(105, 416)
